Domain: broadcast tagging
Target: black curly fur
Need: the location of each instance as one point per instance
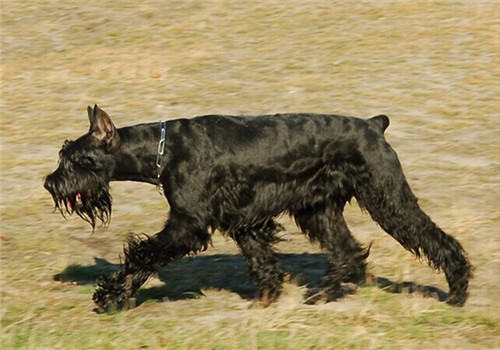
(256, 246)
(237, 174)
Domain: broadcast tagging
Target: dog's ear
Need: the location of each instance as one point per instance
(102, 128)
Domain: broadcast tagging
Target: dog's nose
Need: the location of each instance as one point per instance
(47, 184)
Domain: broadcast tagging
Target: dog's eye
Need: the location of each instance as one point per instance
(87, 162)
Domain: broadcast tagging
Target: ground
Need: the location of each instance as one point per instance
(431, 66)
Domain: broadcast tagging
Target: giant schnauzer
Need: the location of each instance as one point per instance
(237, 174)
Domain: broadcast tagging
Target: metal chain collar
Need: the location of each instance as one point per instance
(161, 149)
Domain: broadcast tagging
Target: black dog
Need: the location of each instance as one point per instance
(236, 174)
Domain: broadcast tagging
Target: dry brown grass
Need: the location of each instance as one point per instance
(432, 66)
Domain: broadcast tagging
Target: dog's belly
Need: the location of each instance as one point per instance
(245, 203)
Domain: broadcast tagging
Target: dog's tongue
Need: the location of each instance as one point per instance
(78, 200)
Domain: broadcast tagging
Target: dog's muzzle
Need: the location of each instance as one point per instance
(90, 202)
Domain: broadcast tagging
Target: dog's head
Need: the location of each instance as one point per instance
(80, 184)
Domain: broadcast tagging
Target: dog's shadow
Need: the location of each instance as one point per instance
(188, 277)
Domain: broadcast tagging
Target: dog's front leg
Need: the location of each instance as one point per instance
(256, 246)
(144, 256)
(141, 257)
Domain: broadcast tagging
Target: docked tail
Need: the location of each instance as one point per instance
(381, 121)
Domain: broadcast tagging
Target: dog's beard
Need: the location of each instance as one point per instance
(89, 206)
(92, 204)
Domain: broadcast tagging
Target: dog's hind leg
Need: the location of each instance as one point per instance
(389, 200)
(346, 257)
(255, 243)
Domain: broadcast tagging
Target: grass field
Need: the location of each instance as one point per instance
(432, 66)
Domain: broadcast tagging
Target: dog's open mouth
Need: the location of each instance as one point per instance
(75, 203)
(90, 205)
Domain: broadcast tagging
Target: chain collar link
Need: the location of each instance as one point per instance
(161, 150)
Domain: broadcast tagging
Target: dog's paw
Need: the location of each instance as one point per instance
(111, 294)
(314, 296)
(457, 300)
(324, 295)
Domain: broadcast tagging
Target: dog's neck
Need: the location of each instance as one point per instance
(137, 157)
